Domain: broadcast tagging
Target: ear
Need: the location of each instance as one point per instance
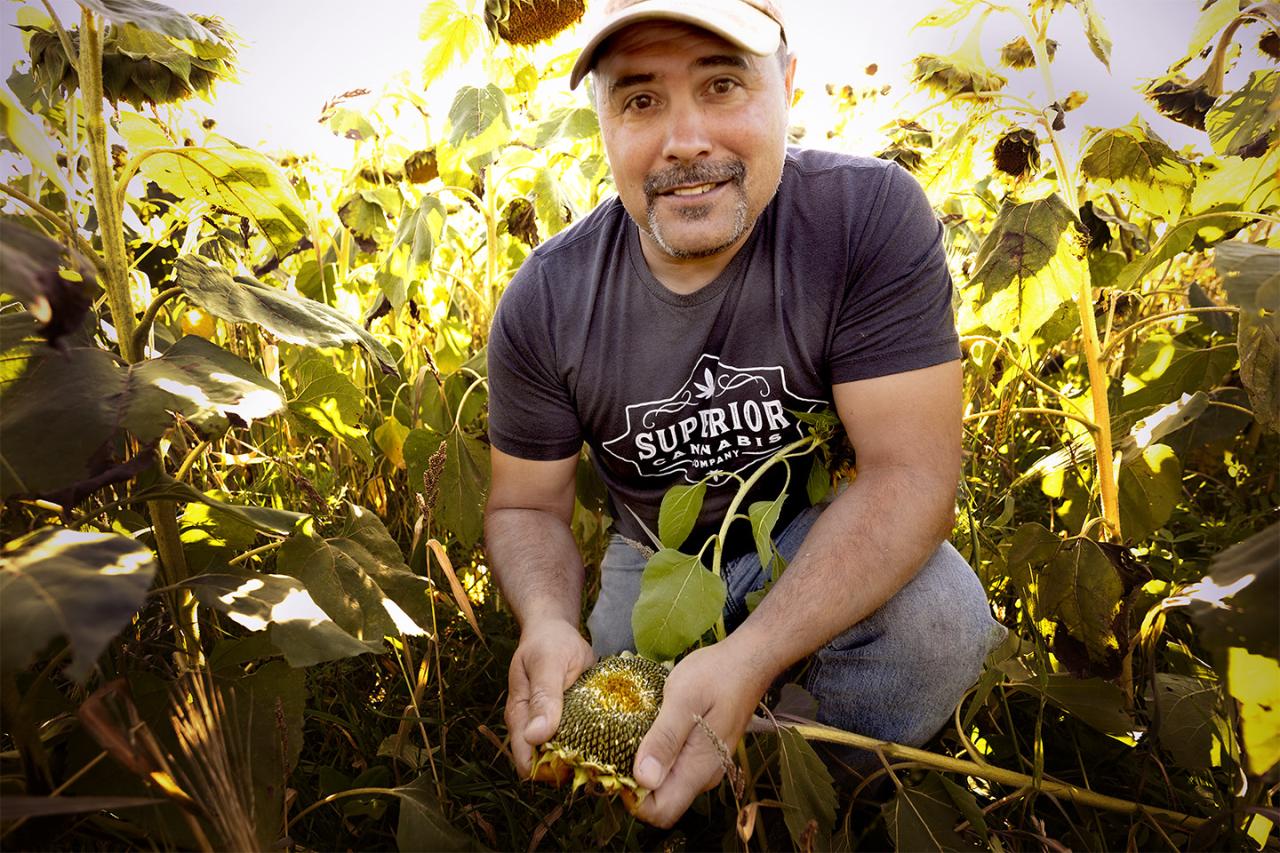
(790, 79)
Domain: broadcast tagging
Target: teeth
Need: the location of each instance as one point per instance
(698, 190)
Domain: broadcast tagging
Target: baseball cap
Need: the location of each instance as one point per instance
(754, 25)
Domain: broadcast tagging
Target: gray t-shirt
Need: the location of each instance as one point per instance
(843, 278)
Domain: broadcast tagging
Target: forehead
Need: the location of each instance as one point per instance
(651, 43)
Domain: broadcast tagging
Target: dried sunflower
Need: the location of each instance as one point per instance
(1018, 54)
(527, 22)
(1017, 152)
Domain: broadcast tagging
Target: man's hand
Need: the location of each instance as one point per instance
(551, 655)
(677, 760)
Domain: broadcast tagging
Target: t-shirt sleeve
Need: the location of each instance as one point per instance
(531, 415)
(897, 312)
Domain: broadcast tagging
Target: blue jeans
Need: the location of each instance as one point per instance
(896, 675)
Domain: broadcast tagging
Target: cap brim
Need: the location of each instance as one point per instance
(736, 22)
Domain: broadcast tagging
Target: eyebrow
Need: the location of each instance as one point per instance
(719, 60)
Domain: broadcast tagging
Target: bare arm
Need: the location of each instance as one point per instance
(536, 561)
(906, 430)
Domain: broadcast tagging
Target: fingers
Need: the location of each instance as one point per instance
(517, 716)
(697, 768)
(546, 687)
(666, 738)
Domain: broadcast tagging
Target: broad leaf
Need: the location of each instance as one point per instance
(266, 708)
(566, 123)
(71, 438)
(288, 316)
(298, 627)
(1141, 167)
(328, 403)
(1081, 588)
(55, 284)
(420, 231)
(1235, 605)
(389, 437)
(422, 824)
(463, 487)
(1189, 719)
(1259, 346)
(64, 583)
(679, 512)
(764, 517)
(1165, 369)
(359, 579)
(152, 16)
(923, 817)
(480, 121)
(1254, 681)
(1245, 122)
(451, 35)
(1098, 703)
(1030, 263)
(276, 522)
(238, 180)
(808, 794)
(679, 601)
(1215, 15)
(1150, 487)
(33, 143)
(551, 203)
(1250, 274)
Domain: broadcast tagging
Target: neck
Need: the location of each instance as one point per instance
(686, 275)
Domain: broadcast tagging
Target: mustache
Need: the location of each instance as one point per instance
(697, 173)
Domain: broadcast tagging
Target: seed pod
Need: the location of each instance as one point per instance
(528, 22)
(1185, 103)
(1017, 153)
(521, 221)
(606, 714)
(1269, 45)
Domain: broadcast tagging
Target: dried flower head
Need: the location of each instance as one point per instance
(1185, 103)
(1018, 54)
(1017, 152)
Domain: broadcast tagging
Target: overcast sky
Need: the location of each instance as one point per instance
(298, 54)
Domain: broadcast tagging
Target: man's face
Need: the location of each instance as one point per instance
(695, 130)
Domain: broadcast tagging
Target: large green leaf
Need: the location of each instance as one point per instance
(422, 824)
(288, 316)
(1030, 263)
(480, 121)
(63, 421)
(451, 34)
(1093, 701)
(1248, 121)
(463, 486)
(1142, 167)
(1081, 588)
(1165, 368)
(566, 123)
(1189, 719)
(329, 403)
(1235, 604)
(924, 817)
(56, 285)
(297, 626)
(238, 180)
(419, 230)
(1150, 487)
(21, 130)
(679, 512)
(808, 793)
(679, 601)
(65, 583)
(359, 578)
(1254, 681)
(274, 522)
(152, 16)
(1250, 274)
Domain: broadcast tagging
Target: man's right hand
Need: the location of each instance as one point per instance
(550, 657)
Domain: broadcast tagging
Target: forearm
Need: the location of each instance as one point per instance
(865, 547)
(533, 555)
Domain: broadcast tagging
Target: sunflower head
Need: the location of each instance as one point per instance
(606, 714)
(1017, 153)
(1185, 103)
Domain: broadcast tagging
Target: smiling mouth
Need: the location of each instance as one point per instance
(700, 189)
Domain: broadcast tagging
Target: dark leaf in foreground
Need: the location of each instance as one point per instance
(55, 283)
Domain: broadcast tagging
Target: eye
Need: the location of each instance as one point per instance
(640, 103)
(723, 85)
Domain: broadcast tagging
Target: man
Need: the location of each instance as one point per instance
(675, 330)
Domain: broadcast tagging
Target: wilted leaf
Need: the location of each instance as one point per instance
(64, 583)
(679, 512)
(298, 627)
(1150, 487)
(1030, 263)
(359, 579)
(923, 817)
(1188, 710)
(1235, 605)
(1095, 31)
(288, 316)
(679, 600)
(1254, 681)
(1245, 122)
(807, 790)
(423, 826)
(238, 180)
(464, 485)
(32, 265)
(1141, 167)
(1080, 587)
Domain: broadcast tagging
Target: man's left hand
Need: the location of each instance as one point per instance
(677, 760)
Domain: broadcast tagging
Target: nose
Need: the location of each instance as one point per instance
(688, 136)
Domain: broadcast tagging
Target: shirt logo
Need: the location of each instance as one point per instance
(722, 419)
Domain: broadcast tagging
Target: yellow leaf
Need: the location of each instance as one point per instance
(451, 33)
(1255, 682)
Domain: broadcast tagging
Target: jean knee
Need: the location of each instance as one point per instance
(609, 623)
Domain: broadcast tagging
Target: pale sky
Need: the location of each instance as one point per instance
(298, 54)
